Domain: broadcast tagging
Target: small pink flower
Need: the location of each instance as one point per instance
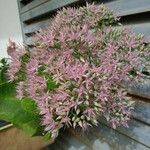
(114, 122)
(14, 68)
(76, 71)
(32, 66)
(19, 90)
(66, 121)
(11, 48)
(90, 112)
(61, 95)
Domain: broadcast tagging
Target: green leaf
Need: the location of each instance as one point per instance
(3, 61)
(29, 105)
(3, 70)
(47, 136)
(133, 72)
(7, 89)
(21, 73)
(77, 55)
(30, 128)
(51, 84)
(25, 58)
(21, 113)
(41, 69)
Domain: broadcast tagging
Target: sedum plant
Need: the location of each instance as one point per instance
(75, 73)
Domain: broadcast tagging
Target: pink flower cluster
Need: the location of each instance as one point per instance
(78, 68)
(15, 53)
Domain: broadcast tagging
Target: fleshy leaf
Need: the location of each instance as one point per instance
(51, 84)
(21, 113)
(47, 136)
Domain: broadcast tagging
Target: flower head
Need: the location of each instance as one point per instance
(77, 70)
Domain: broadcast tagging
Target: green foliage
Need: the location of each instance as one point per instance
(107, 20)
(41, 70)
(133, 73)
(21, 74)
(29, 105)
(22, 113)
(76, 54)
(25, 58)
(51, 84)
(47, 136)
(3, 69)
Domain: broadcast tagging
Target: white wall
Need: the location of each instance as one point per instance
(9, 24)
